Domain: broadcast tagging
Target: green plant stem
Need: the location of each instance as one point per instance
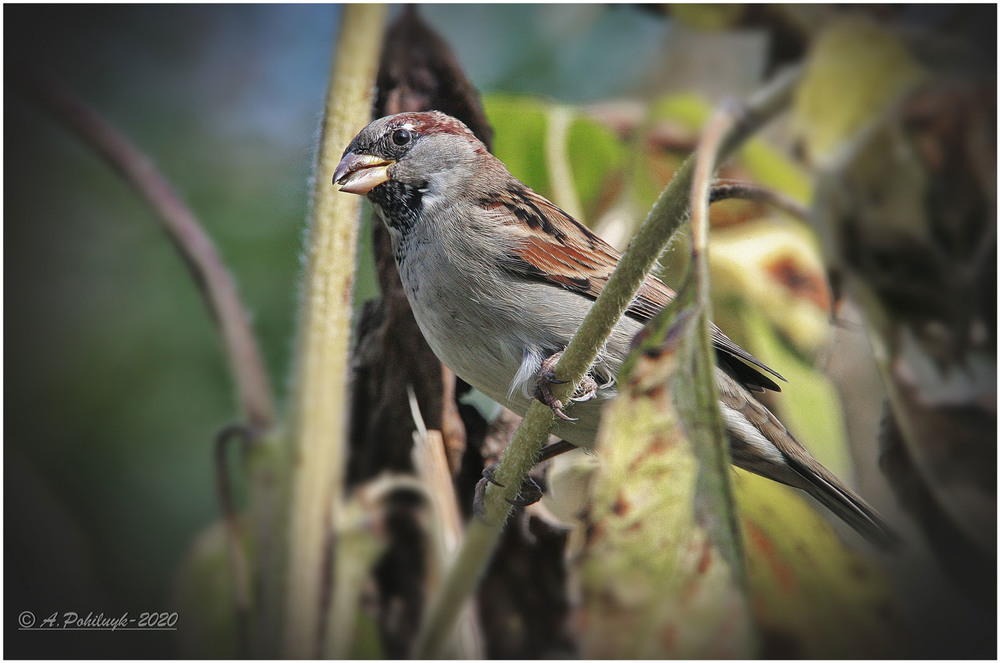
(668, 213)
(740, 190)
(317, 415)
(239, 566)
(558, 122)
(714, 492)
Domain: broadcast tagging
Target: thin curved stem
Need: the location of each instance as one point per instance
(708, 437)
(238, 565)
(741, 190)
(214, 282)
(186, 233)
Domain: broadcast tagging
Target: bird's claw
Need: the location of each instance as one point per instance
(547, 377)
(529, 493)
(543, 386)
(479, 499)
(586, 391)
(490, 475)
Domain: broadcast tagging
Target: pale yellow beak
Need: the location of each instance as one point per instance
(360, 173)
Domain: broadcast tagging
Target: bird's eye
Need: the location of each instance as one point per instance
(401, 137)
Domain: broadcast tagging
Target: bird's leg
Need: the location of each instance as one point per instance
(547, 377)
(530, 491)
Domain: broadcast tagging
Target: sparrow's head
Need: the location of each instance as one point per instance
(418, 150)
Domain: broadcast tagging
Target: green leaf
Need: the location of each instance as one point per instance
(769, 166)
(772, 266)
(519, 137)
(690, 110)
(595, 154)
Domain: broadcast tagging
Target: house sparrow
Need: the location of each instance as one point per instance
(499, 280)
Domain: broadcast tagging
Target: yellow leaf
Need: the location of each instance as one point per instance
(773, 266)
(857, 70)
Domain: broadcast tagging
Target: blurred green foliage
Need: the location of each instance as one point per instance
(519, 144)
(593, 152)
(116, 380)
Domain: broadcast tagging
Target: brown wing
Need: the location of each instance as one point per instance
(556, 249)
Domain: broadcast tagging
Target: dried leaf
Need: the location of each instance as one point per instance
(652, 584)
(813, 597)
(906, 204)
(774, 267)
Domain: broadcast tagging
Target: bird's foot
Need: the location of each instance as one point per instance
(529, 493)
(547, 377)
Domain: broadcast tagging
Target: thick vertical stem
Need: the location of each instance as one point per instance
(317, 423)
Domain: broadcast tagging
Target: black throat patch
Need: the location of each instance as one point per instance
(401, 204)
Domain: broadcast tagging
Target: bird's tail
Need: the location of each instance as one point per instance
(821, 484)
(761, 444)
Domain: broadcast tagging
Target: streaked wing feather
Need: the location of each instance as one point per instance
(555, 248)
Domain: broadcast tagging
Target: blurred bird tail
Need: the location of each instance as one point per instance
(850, 508)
